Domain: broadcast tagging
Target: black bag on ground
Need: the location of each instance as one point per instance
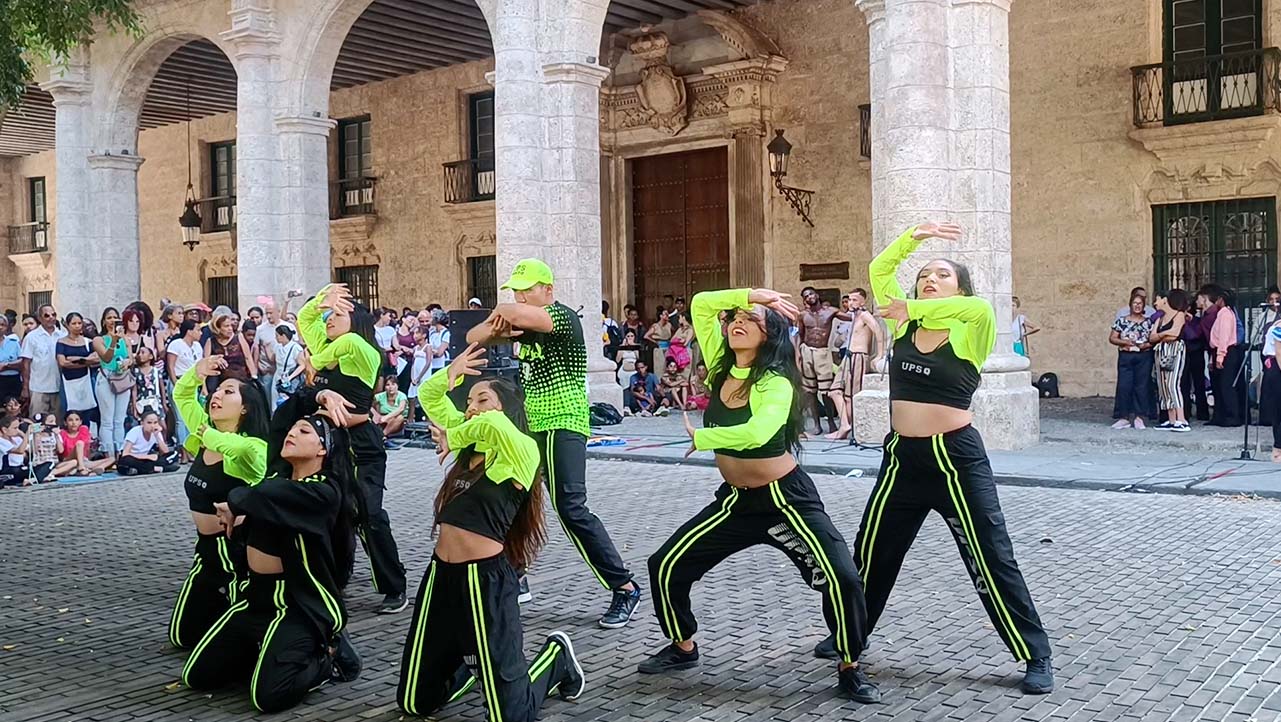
(604, 414)
(1048, 385)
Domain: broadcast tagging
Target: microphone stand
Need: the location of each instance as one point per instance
(1251, 341)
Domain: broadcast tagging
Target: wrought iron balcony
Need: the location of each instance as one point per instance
(29, 238)
(865, 131)
(468, 181)
(1209, 88)
(217, 213)
(352, 197)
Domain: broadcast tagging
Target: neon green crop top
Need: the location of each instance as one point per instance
(969, 320)
(243, 457)
(509, 454)
(349, 352)
(770, 399)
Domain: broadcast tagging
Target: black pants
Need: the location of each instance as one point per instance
(948, 473)
(786, 514)
(564, 457)
(210, 588)
(465, 631)
(132, 465)
(1194, 385)
(265, 640)
(1229, 389)
(1134, 385)
(375, 533)
(1270, 397)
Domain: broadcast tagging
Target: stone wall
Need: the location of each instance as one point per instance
(36, 270)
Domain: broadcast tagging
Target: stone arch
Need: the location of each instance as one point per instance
(129, 80)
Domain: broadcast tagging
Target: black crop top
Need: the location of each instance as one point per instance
(719, 415)
(485, 508)
(351, 388)
(936, 377)
(208, 484)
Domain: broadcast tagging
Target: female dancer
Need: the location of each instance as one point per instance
(229, 447)
(941, 338)
(285, 632)
(340, 339)
(490, 515)
(753, 423)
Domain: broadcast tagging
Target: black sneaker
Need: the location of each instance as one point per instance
(393, 603)
(524, 596)
(346, 659)
(855, 685)
(621, 608)
(670, 659)
(1039, 678)
(826, 649)
(572, 686)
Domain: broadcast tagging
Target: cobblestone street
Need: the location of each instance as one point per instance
(1160, 608)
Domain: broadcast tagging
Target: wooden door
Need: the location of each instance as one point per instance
(680, 226)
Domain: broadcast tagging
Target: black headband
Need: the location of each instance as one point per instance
(322, 427)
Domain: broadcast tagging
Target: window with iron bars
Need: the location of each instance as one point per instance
(362, 281)
(36, 299)
(482, 280)
(1232, 243)
(222, 291)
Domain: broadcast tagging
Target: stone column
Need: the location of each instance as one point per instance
(940, 151)
(117, 274)
(300, 256)
(73, 245)
(519, 211)
(571, 177)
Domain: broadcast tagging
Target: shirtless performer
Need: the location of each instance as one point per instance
(849, 377)
(816, 359)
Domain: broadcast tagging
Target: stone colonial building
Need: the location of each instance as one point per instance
(417, 148)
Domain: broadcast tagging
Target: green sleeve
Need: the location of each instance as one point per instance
(970, 321)
(245, 457)
(186, 399)
(884, 274)
(437, 405)
(509, 454)
(311, 326)
(353, 355)
(705, 310)
(771, 402)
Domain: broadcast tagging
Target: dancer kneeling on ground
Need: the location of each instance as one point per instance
(228, 445)
(753, 423)
(942, 336)
(285, 634)
(466, 623)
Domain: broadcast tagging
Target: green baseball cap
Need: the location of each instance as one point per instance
(529, 272)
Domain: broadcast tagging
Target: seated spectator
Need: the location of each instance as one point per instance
(44, 449)
(641, 395)
(391, 407)
(699, 396)
(13, 445)
(13, 407)
(146, 451)
(74, 448)
(674, 389)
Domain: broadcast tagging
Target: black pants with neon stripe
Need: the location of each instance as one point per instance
(786, 514)
(209, 589)
(263, 639)
(948, 473)
(564, 458)
(466, 632)
(375, 534)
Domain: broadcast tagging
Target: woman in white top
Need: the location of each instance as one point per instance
(1021, 328)
(145, 449)
(626, 358)
(421, 368)
(289, 366)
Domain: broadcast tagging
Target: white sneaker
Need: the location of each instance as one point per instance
(1181, 427)
(1121, 424)
(645, 414)
(662, 411)
(1138, 424)
(627, 412)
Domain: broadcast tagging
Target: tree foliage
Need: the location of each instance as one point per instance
(48, 29)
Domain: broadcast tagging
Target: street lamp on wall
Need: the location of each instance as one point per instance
(190, 218)
(779, 152)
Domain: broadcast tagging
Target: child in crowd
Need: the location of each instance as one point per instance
(699, 396)
(13, 445)
(391, 408)
(44, 448)
(642, 397)
(74, 448)
(421, 368)
(148, 388)
(673, 389)
(146, 451)
(13, 407)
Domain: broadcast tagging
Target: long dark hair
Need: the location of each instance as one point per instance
(964, 281)
(339, 470)
(528, 533)
(362, 324)
(776, 356)
(256, 421)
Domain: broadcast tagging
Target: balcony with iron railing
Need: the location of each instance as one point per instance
(351, 197)
(217, 214)
(469, 181)
(29, 238)
(865, 131)
(1216, 87)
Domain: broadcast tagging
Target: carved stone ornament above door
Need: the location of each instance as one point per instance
(661, 93)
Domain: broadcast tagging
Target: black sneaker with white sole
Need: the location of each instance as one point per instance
(826, 649)
(574, 682)
(524, 596)
(621, 608)
(393, 603)
(670, 659)
(346, 665)
(1039, 677)
(854, 684)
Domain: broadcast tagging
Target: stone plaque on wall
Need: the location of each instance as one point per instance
(816, 271)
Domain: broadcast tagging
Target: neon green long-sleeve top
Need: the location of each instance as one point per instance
(969, 320)
(509, 454)
(243, 457)
(350, 353)
(770, 397)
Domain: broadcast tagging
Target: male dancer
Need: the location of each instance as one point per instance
(865, 330)
(553, 370)
(816, 359)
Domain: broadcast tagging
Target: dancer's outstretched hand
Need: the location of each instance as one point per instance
(941, 231)
(895, 310)
(689, 429)
(771, 299)
(468, 363)
(441, 440)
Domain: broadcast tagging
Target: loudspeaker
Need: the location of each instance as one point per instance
(460, 322)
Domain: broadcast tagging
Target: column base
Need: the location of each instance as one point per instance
(1006, 410)
(602, 386)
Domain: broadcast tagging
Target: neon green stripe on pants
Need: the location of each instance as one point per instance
(279, 598)
(409, 703)
(679, 549)
(876, 509)
(485, 664)
(833, 586)
(549, 454)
